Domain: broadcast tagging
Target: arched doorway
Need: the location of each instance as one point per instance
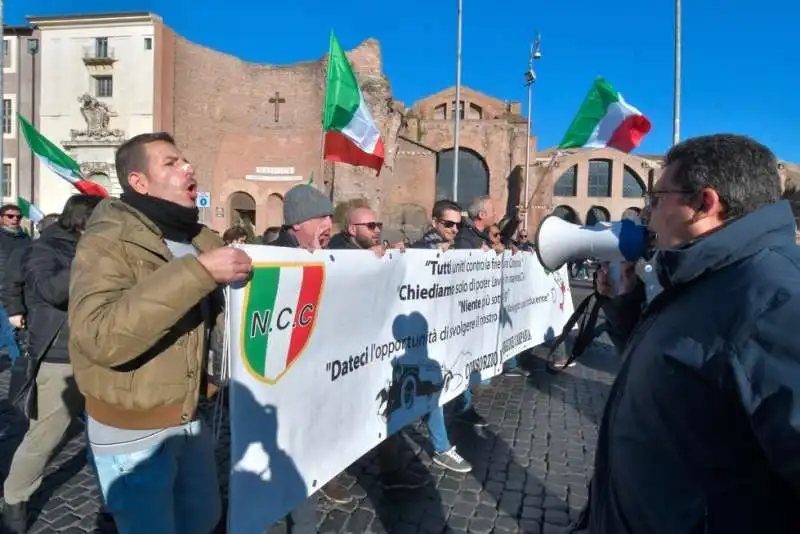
(567, 213)
(473, 175)
(597, 214)
(242, 210)
(274, 210)
(567, 183)
(632, 213)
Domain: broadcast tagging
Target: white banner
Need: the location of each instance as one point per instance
(333, 351)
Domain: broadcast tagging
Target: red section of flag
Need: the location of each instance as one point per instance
(629, 134)
(90, 188)
(306, 312)
(340, 148)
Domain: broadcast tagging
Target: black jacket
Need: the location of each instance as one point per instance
(701, 432)
(47, 273)
(342, 241)
(470, 237)
(11, 292)
(285, 239)
(430, 240)
(10, 241)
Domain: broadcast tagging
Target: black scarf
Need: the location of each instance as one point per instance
(176, 223)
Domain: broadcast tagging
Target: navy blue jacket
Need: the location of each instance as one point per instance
(701, 433)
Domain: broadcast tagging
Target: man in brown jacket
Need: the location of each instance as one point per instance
(144, 298)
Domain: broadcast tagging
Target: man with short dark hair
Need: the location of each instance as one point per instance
(701, 432)
(145, 295)
(445, 225)
(270, 235)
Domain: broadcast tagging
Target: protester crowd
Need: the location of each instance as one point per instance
(113, 315)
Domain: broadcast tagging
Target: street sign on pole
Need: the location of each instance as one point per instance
(203, 200)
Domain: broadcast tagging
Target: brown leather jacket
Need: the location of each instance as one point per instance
(136, 335)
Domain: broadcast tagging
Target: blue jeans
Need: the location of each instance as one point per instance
(167, 488)
(464, 402)
(437, 430)
(8, 340)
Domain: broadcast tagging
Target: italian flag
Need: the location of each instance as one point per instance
(606, 120)
(351, 135)
(29, 211)
(280, 311)
(58, 161)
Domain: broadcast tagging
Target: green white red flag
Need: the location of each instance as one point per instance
(58, 161)
(351, 135)
(605, 120)
(29, 211)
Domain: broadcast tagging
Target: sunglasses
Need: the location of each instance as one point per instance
(14, 216)
(449, 224)
(371, 225)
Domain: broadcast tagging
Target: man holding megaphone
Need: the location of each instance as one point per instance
(701, 432)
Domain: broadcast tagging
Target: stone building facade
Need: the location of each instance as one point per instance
(254, 131)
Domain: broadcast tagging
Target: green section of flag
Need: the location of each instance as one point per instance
(311, 179)
(342, 95)
(594, 107)
(29, 211)
(52, 156)
(258, 316)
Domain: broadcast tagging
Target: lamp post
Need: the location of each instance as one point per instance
(676, 96)
(530, 79)
(33, 49)
(457, 110)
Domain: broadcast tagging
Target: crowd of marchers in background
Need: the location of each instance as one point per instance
(113, 316)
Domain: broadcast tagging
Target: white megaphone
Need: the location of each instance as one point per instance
(558, 241)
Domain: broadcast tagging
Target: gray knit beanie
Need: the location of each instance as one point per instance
(303, 202)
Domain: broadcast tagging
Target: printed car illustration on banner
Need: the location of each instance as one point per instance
(409, 381)
(281, 303)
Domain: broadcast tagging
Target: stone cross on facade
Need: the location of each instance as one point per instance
(277, 100)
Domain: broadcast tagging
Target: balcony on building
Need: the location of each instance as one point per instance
(98, 56)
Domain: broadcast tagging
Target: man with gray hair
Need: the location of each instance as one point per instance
(481, 217)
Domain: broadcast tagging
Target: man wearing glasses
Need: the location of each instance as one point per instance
(12, 237)
(445, 224)
(360, 231)
(701, 432)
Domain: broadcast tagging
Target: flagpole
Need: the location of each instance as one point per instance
(676, 103)
(457, 111)
(530, 79)
(322, 122)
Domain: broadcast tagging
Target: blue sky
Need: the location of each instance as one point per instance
(741, 59)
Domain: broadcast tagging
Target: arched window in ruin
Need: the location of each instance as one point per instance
(567, 183)
(632, 184)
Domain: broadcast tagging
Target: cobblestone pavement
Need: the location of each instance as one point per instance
(531, 464)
